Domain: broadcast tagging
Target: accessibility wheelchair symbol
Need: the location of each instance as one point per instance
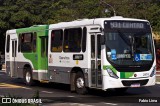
(137, 57)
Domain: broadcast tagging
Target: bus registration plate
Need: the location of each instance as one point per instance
(135, 85)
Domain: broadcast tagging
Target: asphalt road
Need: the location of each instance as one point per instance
(59, 94)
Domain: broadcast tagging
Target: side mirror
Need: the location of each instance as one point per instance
(102, 39)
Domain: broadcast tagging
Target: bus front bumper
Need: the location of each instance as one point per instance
(109, 82)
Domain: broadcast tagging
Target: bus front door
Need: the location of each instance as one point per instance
(96, 75)
(13, 64)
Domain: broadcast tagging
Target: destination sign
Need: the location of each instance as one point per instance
(126, 25)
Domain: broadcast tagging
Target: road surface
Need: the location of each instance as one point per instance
(53, 94)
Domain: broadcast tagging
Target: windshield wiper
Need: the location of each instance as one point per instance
(132, 41)
(124, 38)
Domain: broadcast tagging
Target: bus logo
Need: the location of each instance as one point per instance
(6, 100)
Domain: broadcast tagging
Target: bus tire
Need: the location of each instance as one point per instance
(28, 77)
(80, 83)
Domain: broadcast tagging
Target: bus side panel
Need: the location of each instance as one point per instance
(11, 54)
(59, 74)
(7, 67)
(33, 59)
(62, 63)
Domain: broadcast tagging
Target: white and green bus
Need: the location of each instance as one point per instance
(100, 53)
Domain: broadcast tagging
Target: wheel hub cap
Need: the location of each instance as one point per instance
(28, 77)
(80, 83)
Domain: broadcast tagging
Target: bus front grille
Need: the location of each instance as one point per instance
(130, 82)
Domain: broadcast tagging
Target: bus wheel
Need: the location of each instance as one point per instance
(28, 77)
(80, 83)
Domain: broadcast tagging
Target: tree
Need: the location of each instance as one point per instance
(25, 13)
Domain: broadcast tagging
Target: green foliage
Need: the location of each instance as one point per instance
(25, 13)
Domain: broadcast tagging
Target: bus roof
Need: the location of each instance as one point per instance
(84, 22)
(33, 28)
(75, 23)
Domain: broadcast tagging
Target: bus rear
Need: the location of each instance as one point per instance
(129, 57)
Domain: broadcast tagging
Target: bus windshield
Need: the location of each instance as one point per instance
(128, 43)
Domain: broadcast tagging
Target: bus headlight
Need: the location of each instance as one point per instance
(153, 72)
(112, 74)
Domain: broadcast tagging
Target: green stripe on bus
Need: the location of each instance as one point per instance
(35, 57)
(124, 75)
(110, 67)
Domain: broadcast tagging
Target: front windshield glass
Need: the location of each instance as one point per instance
(128, 43)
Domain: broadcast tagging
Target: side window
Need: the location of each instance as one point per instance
(26, 42)
(19, 42)
(34, 41)
(56, 40)
(44, 46)
(98, 46)
(8, 43)
(72, 40)
(84, 39)
(14, 48)
(92, 46)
